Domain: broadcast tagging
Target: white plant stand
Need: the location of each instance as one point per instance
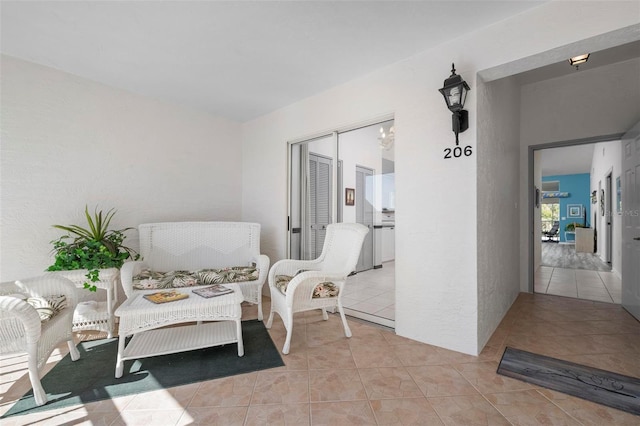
(144, 320)
(100, 315)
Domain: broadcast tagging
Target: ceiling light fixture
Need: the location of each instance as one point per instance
(576, 61)
(455, 94)
(387, 138)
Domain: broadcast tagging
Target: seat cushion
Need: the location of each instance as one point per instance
(48, 306)
(325, 289)
(149, 280)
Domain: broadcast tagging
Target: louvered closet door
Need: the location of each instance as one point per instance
(320, 182)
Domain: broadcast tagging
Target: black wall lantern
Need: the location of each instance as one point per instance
(455, 94)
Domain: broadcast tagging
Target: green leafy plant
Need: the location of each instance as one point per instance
(570, 227)
(93, 248)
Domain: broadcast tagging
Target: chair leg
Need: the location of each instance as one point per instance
(324, 314)
(73, 350)
(289, 326)
(260, 317)
(38, 392)
(270, 320)
(347, 330)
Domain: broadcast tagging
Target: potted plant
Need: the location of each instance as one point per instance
(91, 249)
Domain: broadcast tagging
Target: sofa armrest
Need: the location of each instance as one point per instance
(262, 263)
(127, 272)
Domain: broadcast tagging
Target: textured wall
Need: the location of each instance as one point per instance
(607, 158)
(498, 195)
(67, 142)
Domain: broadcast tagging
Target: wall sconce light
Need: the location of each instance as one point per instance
(577, 60)
(455, 94)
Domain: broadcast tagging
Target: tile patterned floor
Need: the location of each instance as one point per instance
(373, 292)
(579, 283)
(378, 378)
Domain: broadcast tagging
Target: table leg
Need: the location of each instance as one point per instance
(239, 336)
(119, 362)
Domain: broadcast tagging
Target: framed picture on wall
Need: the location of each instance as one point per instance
(349, 196)
(574, 210)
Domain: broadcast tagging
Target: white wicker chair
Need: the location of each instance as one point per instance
(22, 331)
(191, 246)
(338, 259)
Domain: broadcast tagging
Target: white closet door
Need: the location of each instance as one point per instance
(320, 174)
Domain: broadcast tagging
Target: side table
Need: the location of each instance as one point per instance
(101, 316)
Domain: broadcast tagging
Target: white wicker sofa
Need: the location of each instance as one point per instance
(196, 246)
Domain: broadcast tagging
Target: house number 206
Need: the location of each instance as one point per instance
(457, 152)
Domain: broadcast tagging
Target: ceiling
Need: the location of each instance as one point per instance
(596, 59)
(566, 160)
(235, 59)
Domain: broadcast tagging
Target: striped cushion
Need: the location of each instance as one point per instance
(325, 289)
(48, 306)
(147, 279)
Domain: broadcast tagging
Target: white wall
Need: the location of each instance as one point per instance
(584, 104)
(68, 142)
(607, 158)
(498, 196)
(360, 148)
(436, 221)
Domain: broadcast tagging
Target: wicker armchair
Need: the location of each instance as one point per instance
(22, 331)
(338, 259)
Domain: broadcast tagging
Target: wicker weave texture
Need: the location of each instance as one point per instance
(101, 318)
(338, 259)
(144, 320)
(139, 314)
(192, 246)
(198, 245)
(22, 331)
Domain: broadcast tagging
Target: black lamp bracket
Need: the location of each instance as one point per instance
(459, 122)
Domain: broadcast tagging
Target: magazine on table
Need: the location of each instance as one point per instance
(213, 291)
(165, 296)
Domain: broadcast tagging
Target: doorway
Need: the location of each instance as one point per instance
(578, 264)
(348, 176)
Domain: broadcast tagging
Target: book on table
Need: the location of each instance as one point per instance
(213, 291)
(165, 296)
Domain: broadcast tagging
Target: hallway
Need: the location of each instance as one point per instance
(598, 286)
(564, 256)
(563, 272)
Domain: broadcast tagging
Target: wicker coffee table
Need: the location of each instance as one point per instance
(218, 322)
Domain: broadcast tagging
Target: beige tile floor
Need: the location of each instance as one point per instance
(378, 378)
(579, 283)
(373, 293)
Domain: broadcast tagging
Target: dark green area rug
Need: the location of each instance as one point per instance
(91, 378)
(595, 385)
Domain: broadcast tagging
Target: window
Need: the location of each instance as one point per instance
(549, 213)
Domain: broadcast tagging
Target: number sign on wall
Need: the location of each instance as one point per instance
(457, 152)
